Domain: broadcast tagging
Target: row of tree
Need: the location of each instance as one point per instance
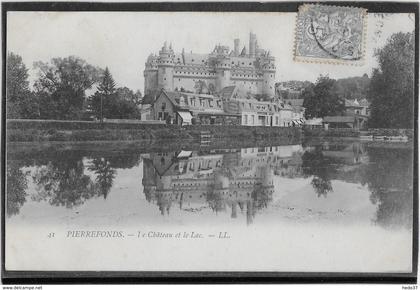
(390, 90)
(60, 91)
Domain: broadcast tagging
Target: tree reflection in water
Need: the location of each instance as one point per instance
(105, 175)
(63, 182)
(389, 176)
(16, 187)
(238, 182)
(315, 164)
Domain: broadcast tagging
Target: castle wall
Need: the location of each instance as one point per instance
(253, 72)
(150, 81)
(188, 82)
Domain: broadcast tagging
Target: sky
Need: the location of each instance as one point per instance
(123, 40)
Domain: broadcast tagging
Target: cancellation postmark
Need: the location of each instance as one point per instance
(330, 34)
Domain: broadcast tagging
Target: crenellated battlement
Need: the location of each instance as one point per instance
(251, 68)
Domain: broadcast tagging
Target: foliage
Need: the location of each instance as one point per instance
(21, 103)
(353, 87)
(114, 103)
(63, 182)
(389, 176)
(391, 91)
(105, 175)
(61, 86)
(16, 185)
(322, 99)
(321, 169)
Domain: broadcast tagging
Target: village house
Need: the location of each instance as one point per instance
(355, 116)
(230, 107)
(187, 108)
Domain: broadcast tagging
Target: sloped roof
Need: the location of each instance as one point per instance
(195, 58)
(364, 103)
(339, 119)
(150, 98)
(352, 103)
(227, 92)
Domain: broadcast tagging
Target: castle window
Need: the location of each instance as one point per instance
(192, 60)
(243, 63)
(250, 63)
(163, 106)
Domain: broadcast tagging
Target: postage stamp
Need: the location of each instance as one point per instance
(330, 34)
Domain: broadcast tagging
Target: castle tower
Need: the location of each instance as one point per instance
(222, 67)
(165, 64)
(269, 75)
(150, 74)
(236, 46)
(252, 44)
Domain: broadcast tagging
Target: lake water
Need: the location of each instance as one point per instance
(318, 206)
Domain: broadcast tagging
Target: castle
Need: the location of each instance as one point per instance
(253, 70)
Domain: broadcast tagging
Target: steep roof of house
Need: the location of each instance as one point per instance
(352, 103)
(150, 97)
(227, 92)
(364, 103)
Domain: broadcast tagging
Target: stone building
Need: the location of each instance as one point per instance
(186, 108)
(252, 69)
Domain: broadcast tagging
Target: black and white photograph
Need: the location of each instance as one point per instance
(210, 142)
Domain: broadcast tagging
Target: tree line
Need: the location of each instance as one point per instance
(390, 90)
(60, 91)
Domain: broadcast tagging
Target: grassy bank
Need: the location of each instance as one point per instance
(65, 131)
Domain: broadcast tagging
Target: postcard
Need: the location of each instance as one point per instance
(160, 141)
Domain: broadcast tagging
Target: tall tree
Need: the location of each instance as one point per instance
(61, 86)
(103, 101)
(322, 99)
(21, 103)
(391, 91)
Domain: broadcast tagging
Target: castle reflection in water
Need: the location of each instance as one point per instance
(223, 180)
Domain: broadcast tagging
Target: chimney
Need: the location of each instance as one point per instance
(236, 47)
(252, 43)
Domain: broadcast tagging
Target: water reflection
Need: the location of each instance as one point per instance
(234, 179)
(240, 182)
(331, 161)
(16, 187)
